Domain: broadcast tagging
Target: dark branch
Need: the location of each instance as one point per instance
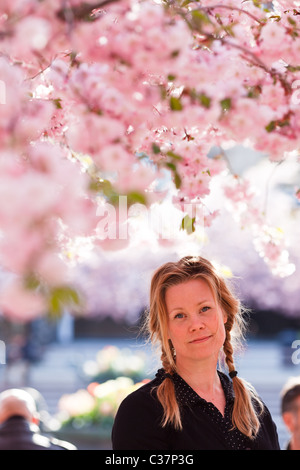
(82, 12)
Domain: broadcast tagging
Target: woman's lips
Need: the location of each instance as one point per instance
(200, 340)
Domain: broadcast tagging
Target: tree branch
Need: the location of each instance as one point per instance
(82, 11)
(227, 7)
(259, 63)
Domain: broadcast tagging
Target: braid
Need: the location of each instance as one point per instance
(227, 347)
(166, 395)
(244, 415)
(168, 367)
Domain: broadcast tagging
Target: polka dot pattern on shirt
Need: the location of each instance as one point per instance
(186, 396)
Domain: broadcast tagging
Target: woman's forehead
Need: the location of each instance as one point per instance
(190, 290)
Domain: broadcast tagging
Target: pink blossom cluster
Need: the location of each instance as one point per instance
(269, 241)
(100, 99)
(40, 206)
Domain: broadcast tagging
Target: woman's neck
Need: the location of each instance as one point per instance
(205, 381)
(202, 377)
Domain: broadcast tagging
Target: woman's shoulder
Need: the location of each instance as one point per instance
(137, 424)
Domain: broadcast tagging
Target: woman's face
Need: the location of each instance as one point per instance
(292, 419)
(195, 322)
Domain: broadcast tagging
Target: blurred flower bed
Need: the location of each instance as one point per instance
(112, 362)
(92, 410)
(86, 416)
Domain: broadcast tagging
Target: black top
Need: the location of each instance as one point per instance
(18, 434)
(137, 423)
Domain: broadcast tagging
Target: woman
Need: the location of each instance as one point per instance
(191, 405)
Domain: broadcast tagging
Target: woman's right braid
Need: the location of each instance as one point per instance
(244, 416)
(227, 347)
(166, 395)
(166, 363)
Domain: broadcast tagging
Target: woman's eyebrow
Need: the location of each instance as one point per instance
(182, 308)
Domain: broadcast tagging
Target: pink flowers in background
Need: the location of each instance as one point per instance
(93, 408)
(129, 100)
(20, 304)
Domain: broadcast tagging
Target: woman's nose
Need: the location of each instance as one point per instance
(196, 323)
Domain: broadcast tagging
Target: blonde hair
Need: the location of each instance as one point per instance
(247, 405)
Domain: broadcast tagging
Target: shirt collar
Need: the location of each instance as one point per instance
(187, 396)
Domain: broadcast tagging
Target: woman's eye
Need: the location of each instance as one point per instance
(179, 315)
(205, 309)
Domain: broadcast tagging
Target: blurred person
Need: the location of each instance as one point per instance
(45, 419)
(290, 411)
(19, 424)
(191, 404)
(17, 367)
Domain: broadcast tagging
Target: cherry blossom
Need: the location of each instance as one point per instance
(130, 98)
(20, 303)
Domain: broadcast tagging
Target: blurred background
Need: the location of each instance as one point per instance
(83, 366)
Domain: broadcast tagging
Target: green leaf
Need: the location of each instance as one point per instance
(177, 180)
(31, 282)
(275, 17)
(291, 21)
(170, 165)
(254, 91)
(185, 3)
(271, 126)
(205, 100)
(173, 155)
(188, 224)
(60, 298)
(155, 148)
(163, 92)
(175, 104)
(225, 104)
(292, 68)
(277, 124)
(199, 18)
(107, 189)
(57, 103)
(95, 185)
(135, 197)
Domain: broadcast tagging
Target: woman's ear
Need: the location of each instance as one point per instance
(289, 420)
